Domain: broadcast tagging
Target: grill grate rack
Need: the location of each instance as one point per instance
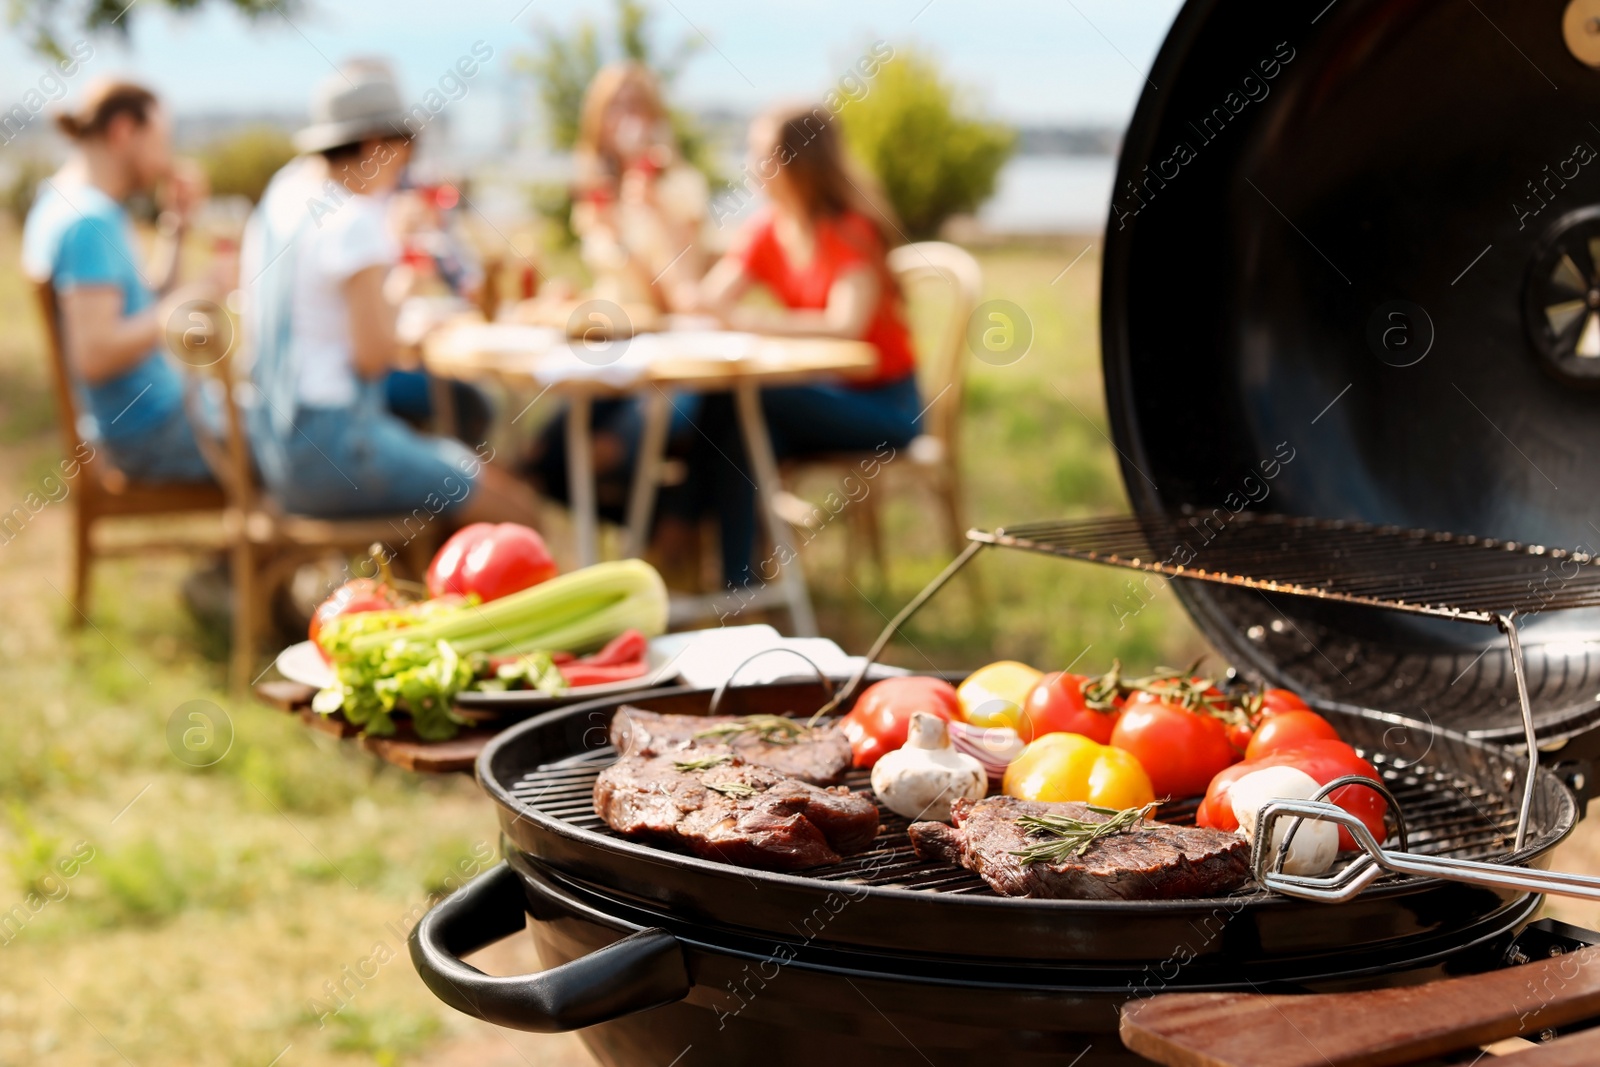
(1446, 815)
(1451, 576)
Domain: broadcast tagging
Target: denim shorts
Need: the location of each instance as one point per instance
(361, 460)
(165, 452)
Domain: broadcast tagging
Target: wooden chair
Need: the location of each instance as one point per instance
(268, 544)
(101, 492)
(932, 460)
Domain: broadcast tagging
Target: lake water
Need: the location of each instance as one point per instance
(1051, 194)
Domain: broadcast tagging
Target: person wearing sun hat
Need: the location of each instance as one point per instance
(320, 328)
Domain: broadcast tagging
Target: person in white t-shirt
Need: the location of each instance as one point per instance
(319, 325)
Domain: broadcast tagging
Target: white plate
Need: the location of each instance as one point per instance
(304, 664)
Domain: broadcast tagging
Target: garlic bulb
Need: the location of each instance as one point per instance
(923, 778)
(1316, 843)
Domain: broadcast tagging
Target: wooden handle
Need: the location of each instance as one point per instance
(1379, 1028)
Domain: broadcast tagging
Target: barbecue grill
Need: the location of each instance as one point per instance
(1328, 290)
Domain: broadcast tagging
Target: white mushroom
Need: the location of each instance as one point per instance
(1316, 843)
(923, 778)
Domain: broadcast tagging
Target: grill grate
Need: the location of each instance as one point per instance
(1445, 815)
(1474, 579)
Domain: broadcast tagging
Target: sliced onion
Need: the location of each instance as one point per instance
(993, 746)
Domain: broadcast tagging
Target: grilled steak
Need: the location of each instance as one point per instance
(733, 810)
(1152, 861)
(816, 754)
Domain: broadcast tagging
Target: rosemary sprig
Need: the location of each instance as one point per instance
(775, 729)
(702, 764)
(1070, 837)
(737, 790)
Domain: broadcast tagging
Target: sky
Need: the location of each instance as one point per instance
(1042, 61)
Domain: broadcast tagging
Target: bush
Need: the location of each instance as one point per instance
(242, 164)
(934, 158)
(20, 185)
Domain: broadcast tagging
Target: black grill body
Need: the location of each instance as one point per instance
(1339, 304)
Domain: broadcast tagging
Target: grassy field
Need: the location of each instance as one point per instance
(201, 916)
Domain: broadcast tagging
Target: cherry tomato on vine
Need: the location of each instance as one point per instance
(1181, 750)
(1059, 703)
(1289, 729)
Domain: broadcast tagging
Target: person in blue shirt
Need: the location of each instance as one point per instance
(113, 308)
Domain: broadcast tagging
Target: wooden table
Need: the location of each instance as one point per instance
(654, 366)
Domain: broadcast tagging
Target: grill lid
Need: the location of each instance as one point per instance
(1352, 270)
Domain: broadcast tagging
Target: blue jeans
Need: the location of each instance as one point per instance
(362, 460)
(802, 420)
(409, 394)
(165, 452)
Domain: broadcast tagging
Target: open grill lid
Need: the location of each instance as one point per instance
(1352, 270)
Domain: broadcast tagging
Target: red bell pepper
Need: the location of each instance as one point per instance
(490, 560)
(1322, 760)
(878, 723)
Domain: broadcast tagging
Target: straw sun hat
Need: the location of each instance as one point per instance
(361, 101)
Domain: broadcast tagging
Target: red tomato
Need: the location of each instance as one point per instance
(1240, 732)
(878, 723)
(490, 559)
(1289, 729)
(351, 598)
(1322, 760)
(1057, 704)
(1273, 702)
(1179, 749)
(1276, 701)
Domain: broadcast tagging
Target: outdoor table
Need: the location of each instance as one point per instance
(654, 366)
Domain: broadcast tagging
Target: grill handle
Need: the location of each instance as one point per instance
(822, 676)
(643, 970)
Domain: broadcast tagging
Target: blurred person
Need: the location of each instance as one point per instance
(821, 250)
(638, 210)
(320, 321)
(113, 312)
(435, 260)
(637, 207)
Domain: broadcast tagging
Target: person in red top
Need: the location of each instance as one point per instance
(821, 251)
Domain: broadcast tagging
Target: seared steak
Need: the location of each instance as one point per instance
(714, 804)
(1152, 861)
(817, 754)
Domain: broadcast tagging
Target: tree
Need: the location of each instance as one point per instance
(567, 62)
(934, 157)
(47, 23)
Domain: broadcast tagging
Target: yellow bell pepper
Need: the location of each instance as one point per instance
(995, 695)
(1059, 767)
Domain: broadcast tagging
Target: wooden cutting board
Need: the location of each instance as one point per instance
(1377, 1028)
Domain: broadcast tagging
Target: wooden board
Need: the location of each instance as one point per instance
(1378, 1028)
(459, 754)
(1578, 1050)
(405, 750)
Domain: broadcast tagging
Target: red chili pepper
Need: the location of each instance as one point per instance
(580, 673)
(626, 647)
